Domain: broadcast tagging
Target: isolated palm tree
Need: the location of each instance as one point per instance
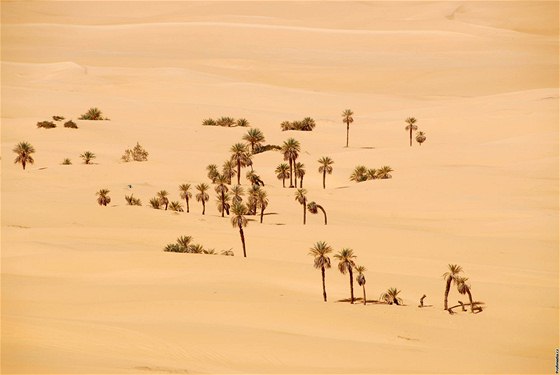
(450, 277)
(262, 202)
(291, 149)
(222, 190)
(282, 173)
(23, 151)
(162, 196)
(321, 261)
(346, 264)
(228, 170)
(202, 195)
(410, 127)
(384, 172)
(359, 174)
(391, 296)
(361, 280)
(325, 166)
(254, 137)
(212, 172)
(237, 192)
(312, 207)
(302, 199)
(347, 118)
(92, 114)
(88, 156)
(240, 156)
(420, 138)
(238, 220)
(464, 288)
(103, 198)
(299, 171)
(185, 193)
(175, 206)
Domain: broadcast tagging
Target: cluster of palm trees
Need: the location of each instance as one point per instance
(362, 173)
(452, 276)
(225, 121)
(410, 127)
(301, 198)
(184, 245)
(307, 124)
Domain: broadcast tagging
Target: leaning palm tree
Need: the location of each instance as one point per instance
(185, 193)
(237, 192)
(24, 151)
(262, 202)
(391, 296)
(254, 137)
(346, 264)
(228, 170)
(212, 172)
(450, 277)
(88, 156)
(162, 196)
(222, 190)
(238, 220)
(384, 172)
(313, 208)
(347, 118)
(464, 288)
(299, 171)
(361, 280)
(240, 156)
(410, 127)
(202, 195)
(291, 149)
(420, 138)
(103, 198)
(359, 174)
(325, 167)
(321, 261)
(302, 199)
(282, 173)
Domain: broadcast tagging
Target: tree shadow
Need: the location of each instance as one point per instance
(477, 307)
(368, 147)
(360, 301)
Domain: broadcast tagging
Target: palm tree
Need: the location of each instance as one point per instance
(202, 196)
(184, 242)
(359, 174)
(291, 149)
(162, 196)
(254, 137)
(103, 198)
(155, 203)
(410, 127)
(347, 118)
(252, 199)
(283, 172)
(391, 296)
(254, 178)
(361, 280)
(225, 121)
(262, 202)
(420, 138)
(92, 114)
(208, 122)
(239, 220)
(175, 206)
(87, 156)
(312, 207)
(286, 125)
(372, 174)
(242, 122)
(223, 203)
(222, 189)
(302, 199)
(212, 172)
(321, 261)
(24, 151)
(237, 192)
(307, 124)
(464, 288)
(384, 172)
(346, 264)
(325, 167)
(228, 170)
(185, 193)
(450, 277)
(299, 171)
(241, 157)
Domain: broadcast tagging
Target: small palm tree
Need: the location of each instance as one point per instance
(283, 172)
(299, 171)
(286, 125)
(371, 174)
(313, 208)
(184, 242)
(163, 200)
(291, 149)
(307, 124)
(92, 114)
(103, 198)
(346, 264)
(361, 280)
(420, 138)
(262, 202)
(67, 161)
(228, 170)
(88, 156)
(252, 195)
(23, 151)
(325, 166)
(155, 203)
(237, 192)
(208, 122)
(450, 277)
(222, 190)
(175, 206)
(131, 201)
(225, 121)
(238, 220)
(196, 249)
(212, 172)
(240, 156)
(321, 261)
(410, 127)
(242, 122)
(359, 174)
(302, 199)
(185, 193)
(391, 296)
(254, 137)
(347, 119)
(202, 195)
(384, 172)
(464, 288)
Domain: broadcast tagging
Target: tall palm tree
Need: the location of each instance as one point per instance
(391, 296)
(361, 279)
(240, 156)
(222, 189)
(359, 174)
(420, 138)
(347, 118)
(212, 172)
(346, 264)
(410, 127)
(464, 288)
(291, 149)
(254, 137)
(202, 195)
(299, 171)
(240, 221)
(237, 192)
(185, 193)
(312, 207)
(450, 277)
(282, 172)
(24, 151)
(302, 199)
(384, 172)
(325, 167)
(262, 202)
(252, 196)
(228, 170)
(321, 261)
(103, 198)
(88, 156)
(162, 196)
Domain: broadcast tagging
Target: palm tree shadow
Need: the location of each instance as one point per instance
(358, 301)
(368, 148)
(476, 307)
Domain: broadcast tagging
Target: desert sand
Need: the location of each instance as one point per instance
(88, 289)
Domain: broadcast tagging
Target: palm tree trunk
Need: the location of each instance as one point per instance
(238, 172)
(347, 131)
(262, 214)
(324, 176)
(301, 182)
(304, 210)
(166, 204)
(203, 207)
(291, 175)
(324, 213)
(364, 288)
(324, 287)
(447, 287)
(295, 174)
(411, 136)
(470, 299)
(187, 198)
(242, 239)
(23, 164)
(351, 284)
(223, 203)
(283, 182)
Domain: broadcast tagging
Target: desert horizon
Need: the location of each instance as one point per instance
(405, 152)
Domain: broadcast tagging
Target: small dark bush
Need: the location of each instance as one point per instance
(259, 149)
(58, 118)
(70, 124)
(46, 124)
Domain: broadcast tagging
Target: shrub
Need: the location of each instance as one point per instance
(58, 118)
(259, 149)
(228, 253)
(93, 114)
(155, 203)
(66, 161)
(307, 124)
(131, 201)
(138, 153)
(209, 122)
(175, 206)
(46, 124)
(87, 156)
(225, 121)
(70, 124)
